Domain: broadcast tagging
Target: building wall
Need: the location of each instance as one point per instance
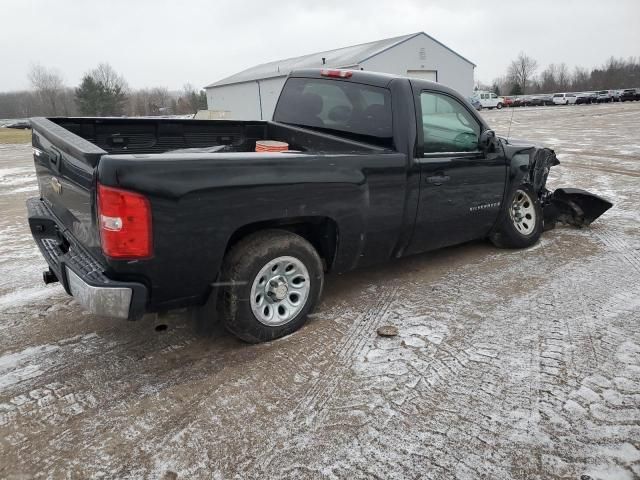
(270, 91)
(242, 101)
(452, 70)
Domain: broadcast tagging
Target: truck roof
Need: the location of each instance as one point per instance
(376, 79)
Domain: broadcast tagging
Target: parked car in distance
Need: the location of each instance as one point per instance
(519, 101)
(507, 101)
(489, 99)
(605, 96)
(564, 99)
(138, 215)
(547, 99)
(630, 94)
(584, 98)
(475, 102)
(540, 100)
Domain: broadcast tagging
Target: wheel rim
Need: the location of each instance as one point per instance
(523, 213)
(280, 291)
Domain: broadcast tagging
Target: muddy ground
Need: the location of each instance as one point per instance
(509, 364)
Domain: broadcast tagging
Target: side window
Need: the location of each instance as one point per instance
(447, 125)
(493, 96)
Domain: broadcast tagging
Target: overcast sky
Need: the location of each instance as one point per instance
(170, 43)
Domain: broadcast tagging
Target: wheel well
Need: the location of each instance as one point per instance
(321, 232)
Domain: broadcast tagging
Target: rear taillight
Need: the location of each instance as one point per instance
(336, 73)
(125, 223)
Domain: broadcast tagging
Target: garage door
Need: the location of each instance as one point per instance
(431, 75)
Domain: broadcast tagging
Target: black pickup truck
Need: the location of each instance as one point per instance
(147, 215)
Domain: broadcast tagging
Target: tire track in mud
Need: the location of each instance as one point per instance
(630, 173)
(433, 366)
(358, 334)
(44, 403)
(620, 246)
(462, 381)
(570, 399)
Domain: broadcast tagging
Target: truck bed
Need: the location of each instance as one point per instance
(199, 199)
(152, 136)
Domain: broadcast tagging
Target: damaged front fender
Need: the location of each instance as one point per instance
(531, 165)
(573, 206)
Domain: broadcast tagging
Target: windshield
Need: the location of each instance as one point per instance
(357, 111)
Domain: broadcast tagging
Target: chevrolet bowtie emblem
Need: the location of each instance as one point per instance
(56, 185)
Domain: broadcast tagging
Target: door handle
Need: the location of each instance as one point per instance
(438, 179)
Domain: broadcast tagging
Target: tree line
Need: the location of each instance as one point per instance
(102, 92)
(522, 77)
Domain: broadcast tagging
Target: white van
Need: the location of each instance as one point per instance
(564, 98)
(489, 99)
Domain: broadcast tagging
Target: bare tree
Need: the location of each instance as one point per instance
(522, 70)
(549, 79)
(563, 76)
(159, 101)
(580, 79)
(49, 85)
(109, 78)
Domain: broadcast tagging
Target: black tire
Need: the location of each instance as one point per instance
(507, 233)
(499, 106)
(242, 265)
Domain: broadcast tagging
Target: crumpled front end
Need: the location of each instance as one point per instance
(573, 206)
(570, 206)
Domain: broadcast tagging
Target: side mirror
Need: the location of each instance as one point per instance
(486, 140)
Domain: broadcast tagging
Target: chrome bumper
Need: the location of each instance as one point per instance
(81, 274)
(105, 301)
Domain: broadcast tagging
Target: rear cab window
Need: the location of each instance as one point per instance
(353, 110)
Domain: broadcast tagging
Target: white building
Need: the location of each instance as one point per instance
(252, 94)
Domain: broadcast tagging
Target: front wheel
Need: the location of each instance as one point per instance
(499, 106)
(274, 279)
(520, 225)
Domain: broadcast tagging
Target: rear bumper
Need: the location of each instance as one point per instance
(82, 275)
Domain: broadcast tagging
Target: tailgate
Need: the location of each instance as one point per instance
(65, 164)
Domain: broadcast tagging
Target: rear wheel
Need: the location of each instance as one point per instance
(499, 106)
(275, 278)
(521, 222)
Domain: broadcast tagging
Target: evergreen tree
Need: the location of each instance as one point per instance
(102, 92)
(516, 89)
(88, 96)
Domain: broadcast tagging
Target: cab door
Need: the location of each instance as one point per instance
(461, 185)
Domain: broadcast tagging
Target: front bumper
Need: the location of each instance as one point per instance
(82, 275)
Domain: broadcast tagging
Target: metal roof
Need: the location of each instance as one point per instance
(339, 58)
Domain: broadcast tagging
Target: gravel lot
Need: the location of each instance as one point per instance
(508, 364)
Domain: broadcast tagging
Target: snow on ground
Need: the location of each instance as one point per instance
(508, 364)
